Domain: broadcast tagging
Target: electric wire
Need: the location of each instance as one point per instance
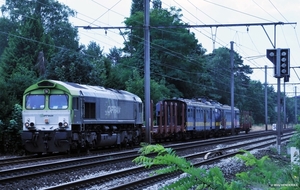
(175, 53)
(237, 11)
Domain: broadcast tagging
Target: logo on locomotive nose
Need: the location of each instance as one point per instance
(43, 115)
(112, 110)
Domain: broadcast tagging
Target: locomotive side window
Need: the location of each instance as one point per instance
(35, 101)
(58, 101)
(90, 110)
(75, 104)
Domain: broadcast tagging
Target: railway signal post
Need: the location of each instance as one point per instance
(281, 60)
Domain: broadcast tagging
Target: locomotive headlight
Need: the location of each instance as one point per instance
(66, 124)
(29, 125)
(63, 125)
(63, 122)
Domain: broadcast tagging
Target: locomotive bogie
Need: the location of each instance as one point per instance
(46, 141)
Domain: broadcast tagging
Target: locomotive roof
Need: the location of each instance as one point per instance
(76, 89)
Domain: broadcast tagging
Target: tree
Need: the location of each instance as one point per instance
(54, 18)
(115, 55)
(24, 47)
(254, 101)
(70, 66)
(6, 27)
(137, 6)
(290, 109)
(19, 61)
(156, 4)
(31, 33)
(176, 56)
(219, 67)
(136, 86)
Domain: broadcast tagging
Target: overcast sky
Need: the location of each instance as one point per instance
(250, 42)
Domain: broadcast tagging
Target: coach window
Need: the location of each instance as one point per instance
(189, 113)
(58, 101)
(35, 101)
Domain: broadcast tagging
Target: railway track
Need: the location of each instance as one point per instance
(34, 159)
(147, 180)
(78, 164)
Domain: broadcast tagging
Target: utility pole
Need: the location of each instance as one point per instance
(296, 119)
(232, 87)
(147, 70)
(266, 99)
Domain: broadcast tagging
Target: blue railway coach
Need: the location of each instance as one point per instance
(192, 118)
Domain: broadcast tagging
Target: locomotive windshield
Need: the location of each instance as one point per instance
(35, 101)
(58, 101)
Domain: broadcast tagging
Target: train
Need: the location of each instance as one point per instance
(64, 117)
(182, 119)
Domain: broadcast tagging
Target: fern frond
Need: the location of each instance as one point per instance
(183, 183)
(165, 170)
(212, 179)
(216, 178)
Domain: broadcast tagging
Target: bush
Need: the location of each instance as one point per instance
(11, 133)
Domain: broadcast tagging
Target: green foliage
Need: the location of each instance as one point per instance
(295, 140)
(262, 173)
(218, 66)
(10, 134)
(258, 173)
(176, 57)
(136, 85)
(137, 6)
(6, 26)
(53, 16)
(294, 174)
(70, 66)
(195, 177)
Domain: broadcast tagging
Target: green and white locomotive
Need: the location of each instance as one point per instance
(62, 116)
